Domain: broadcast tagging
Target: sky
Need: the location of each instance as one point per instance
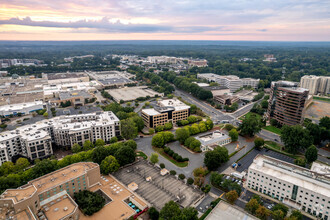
(248, 20)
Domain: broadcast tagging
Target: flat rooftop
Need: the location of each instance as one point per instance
(117, 208)
(59, 208)
(55, 76)
(62, 175)
(212, 138)
(132, 93)
(225, 211)
(25, 214)
(19, 194)
(72, 94)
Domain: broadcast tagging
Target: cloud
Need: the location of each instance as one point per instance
(105, 25)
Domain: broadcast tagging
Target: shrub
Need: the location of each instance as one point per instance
(162, 165)
(182, 176)
(173, 172)
(190, 181)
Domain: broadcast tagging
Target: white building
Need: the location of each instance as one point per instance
(21, 108)
(301, 188)
(216, 138)
(316, 84)
(34, 141)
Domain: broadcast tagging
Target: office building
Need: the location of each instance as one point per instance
(213, 139)
(316, 84)
(287, 103)
(169, 110)
(21, 109)
(197, 62)
(295, 186)
(35, 141)
(225, 99)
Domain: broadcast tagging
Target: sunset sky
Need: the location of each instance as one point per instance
(263, 20)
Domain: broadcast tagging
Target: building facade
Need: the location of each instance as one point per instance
(35, 141)
(51, 195)
(316, 84)
(287, 103)
(301, 188)
(169, 110)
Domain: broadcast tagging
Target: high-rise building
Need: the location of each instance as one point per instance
(304, 189)
(316, 84)
(287, 103)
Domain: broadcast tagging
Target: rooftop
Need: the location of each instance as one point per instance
(212, 138)
(19, 106)
(72, 94)
(225, 211)
(19, 194)
(59, 208)
(55, 76)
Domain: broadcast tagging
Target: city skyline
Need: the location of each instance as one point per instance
(165, 20)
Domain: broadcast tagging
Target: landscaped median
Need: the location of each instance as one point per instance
(168, 157)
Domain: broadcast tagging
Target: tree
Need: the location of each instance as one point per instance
(22, 163)
(154, 158)
(171, 210)
(190, 181)
(153, 213)
(181, 135)
(158, 140)
(231, 196)
(45, 114)
(151, 131)
(262, 212)
(206, 188)
(273, 122)
(300, 162)
(109, 165)
(325, 122)
(258, 142)
(113, 140)
(168, 136)
(315, 132)
(252, 206)
(233, 134)
(162, 165)
(195, 145)
(168, 126)
(173, 172)
(311, 154)
(131, 143)
(87, 145)
(99, 142)
(228, 127)
(188, 141)
(89, 202)
(182, 176)
(189, 213)
(125, 155)
(250, 125)
(281, 207)
(297, 214)
(76, 148)
(43, 167)
(138, 122)
(128, 128)
(278, 215)
(99, 153)
(295, 138)
(213, 159)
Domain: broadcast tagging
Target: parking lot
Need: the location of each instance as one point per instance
(248, 159)
(160, 189)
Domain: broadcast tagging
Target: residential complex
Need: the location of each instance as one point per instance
(316, 84)
(231, 82)
(297, 187)
(51, 196)
(287, 103)
(168, 110)
(35, 141)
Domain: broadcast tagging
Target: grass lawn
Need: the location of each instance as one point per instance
(273, 145)
(321, 98)
(161, 152)
(273, 129)
(247, 115)
(141, 154)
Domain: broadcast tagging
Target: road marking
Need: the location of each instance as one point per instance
(221, 195)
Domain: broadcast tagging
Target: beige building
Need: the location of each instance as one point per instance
(316, 84)
(51, 196)
(169, 110)
(304, 189)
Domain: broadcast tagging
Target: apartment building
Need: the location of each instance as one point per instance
(50, 196)
(287, 103)
(35, 141)
(197, 62)
(231, 82)
(21, 108)
(169, 110)
(316, 84)
(298, 187)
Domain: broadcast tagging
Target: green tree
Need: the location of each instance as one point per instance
(171, 210)
(325, 122)
(209, 124)
(233, 134)
(300, 162)
(297, 214)
(76, 148)
(252, 206)
(264, 104)
(262, 212)
(138, 122)
(99, 143)
(154, 158)
(231, 196)
(181, 135)
(125, 155)
(278, 215)
(128, 129)
(195, 145)
(188, 141)
(258, 142)
(189, 213)
(250, 126)
(99, 153)
(295, 138)
(168, 126)
(158, 140)
(21, 164)
(153, 213)
(213, 159)
(151, 131)
(87, 145)
(228, 127)
(190, 180)
(311, 154)
(89, 202)
(168, 136)
(113, 140)
(45, 114)
(44, 167)
(281, 207)
(109, 165)
(131, 143)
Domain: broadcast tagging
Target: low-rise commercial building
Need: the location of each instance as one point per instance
(169, 110)
(35, 141)
(287, 103)
(76, 98)
(298, 187)
(22, 108)
(132, 93)
(57, 78)
(225, 99)
(213, 139)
